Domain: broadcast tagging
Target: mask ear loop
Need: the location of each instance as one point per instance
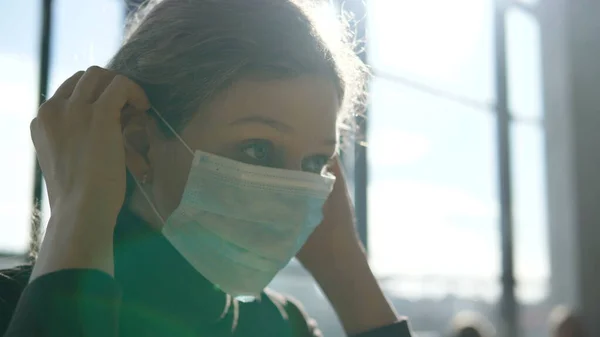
(171, 129)
(140, 185)
(145, 194)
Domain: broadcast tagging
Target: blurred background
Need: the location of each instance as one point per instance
(474, 186)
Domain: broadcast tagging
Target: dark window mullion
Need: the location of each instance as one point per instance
(358, 10)
(508, 305)
(36, 217)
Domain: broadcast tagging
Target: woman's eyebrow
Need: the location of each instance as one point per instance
(278, 125)
(275, 124)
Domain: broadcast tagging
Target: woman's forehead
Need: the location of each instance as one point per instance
(305, 105)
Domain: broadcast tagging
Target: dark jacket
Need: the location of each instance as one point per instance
(155, 293)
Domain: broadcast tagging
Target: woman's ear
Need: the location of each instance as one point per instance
(136, 138)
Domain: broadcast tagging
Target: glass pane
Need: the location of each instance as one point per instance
(445, 44)
(433, 209)
(86, 33)
(524, 69)
(532, 266)
(19, 62)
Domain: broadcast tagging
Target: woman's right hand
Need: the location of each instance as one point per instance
(78, 139)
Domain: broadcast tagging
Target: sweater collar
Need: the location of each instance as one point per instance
(152, 271)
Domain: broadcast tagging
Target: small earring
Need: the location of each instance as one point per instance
(145, 179)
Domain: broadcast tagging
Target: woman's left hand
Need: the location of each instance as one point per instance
(335, 257)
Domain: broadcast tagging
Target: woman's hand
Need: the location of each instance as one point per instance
(336, 259)
(78, 139)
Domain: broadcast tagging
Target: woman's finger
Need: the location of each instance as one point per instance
(91, 85)
(66, 88)
(120, 92)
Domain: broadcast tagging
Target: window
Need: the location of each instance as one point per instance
(432, 186)
(523, 64)
(433, 194)
(532, 267)
(85, 33)
(432, 200)
(19, 64)
(525, 102)
(446, 45)
(82, 34)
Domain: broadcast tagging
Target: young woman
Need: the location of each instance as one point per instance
(187, 173)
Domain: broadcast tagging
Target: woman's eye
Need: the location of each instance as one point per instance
(315, 163)
(260, 151)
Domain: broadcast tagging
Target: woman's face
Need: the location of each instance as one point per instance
(289, 124)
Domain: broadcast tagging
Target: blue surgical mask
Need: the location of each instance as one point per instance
(239, 224)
